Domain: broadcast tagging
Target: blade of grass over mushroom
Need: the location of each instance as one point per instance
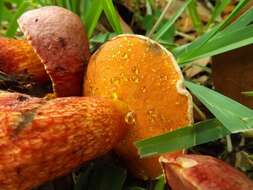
(185, 53)
(219, 7)
(182, 138)
(112, 16)
(249, 93)
(166, 27)
(196, 21)
(234, 116)
(94, 12)
(160, 184)
(13, 25)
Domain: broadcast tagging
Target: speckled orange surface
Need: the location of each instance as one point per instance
(199, 172)
(18, 57)
(141, 73)
(40, 140)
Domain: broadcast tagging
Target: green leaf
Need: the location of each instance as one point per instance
(182, 138)
(224, 42)
(76, 6)
(160, 184)
(102, 37)
(13, 25)
(186, 53)
(1, 10)
(233, 115)
(249, 93)
(112, 16)
(196, 21)
(68, 4)
(93, 14)
(233, 118)
(167, 26)
(218, 9)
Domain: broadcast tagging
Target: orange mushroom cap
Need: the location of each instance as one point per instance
(57, 35)
(142, 73)
(17, 57)
(199, 172)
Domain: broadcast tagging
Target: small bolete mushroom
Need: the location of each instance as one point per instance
(17, 57)
(199, 172)
(57, 36)
(143, 74)
(41, 140)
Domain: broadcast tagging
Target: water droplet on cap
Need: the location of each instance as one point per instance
(130, 118)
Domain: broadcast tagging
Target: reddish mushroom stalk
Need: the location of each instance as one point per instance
(41, 140)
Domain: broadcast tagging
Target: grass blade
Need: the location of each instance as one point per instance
(182, 138)
(13, 25)
(196, 21)
(160, 19)
(76, 6)
(166, 27)
(184, 53)
(112, 16)
(160, 184)
(68, 4)
(249, 93)
(1, 10)
(92, 16)
(233, 115)
(241, 22)
(223, 43)
(219, 7)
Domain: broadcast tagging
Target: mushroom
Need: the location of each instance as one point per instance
(17, 57)
(144, 75)
(41, 140)
(198, 172)
(58, 38)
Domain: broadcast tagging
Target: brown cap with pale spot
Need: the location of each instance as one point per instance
(143, 74)
(58, 37)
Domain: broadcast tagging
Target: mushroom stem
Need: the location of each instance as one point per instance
(41, 140)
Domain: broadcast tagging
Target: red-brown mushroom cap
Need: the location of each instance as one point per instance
(200, 172)
(58, 37)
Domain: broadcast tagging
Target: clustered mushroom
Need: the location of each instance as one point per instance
(133, 90)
